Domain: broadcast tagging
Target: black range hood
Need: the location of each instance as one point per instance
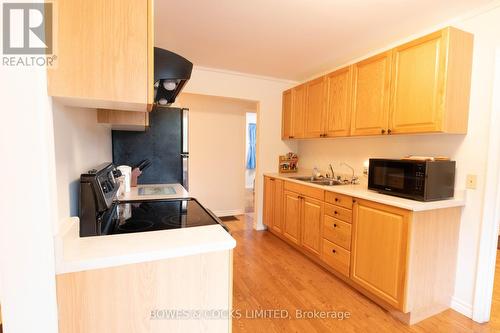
(171, 72)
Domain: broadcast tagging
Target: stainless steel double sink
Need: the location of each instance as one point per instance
(324, 182)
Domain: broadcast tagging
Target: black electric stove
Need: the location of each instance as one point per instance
(139, 216)
(102, 214)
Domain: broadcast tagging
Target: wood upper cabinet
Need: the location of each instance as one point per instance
(286, 129)
(291, 215)
(278, 206)
(273, 203)
(419, 87)
(104, 54)
(431, 83)
(337, 118)
(370, 95)
(379, 250)
(312, 219)
(314, 108)
(124, 120)
(298, 112)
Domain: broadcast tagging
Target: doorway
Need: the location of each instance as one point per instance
(217, 151)
(251, 161)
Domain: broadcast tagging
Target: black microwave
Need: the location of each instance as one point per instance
(417, 180)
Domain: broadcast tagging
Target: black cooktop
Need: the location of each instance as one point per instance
(141, 216)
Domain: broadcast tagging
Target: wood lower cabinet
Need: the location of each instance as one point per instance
(370, 95)
(273, 203)
(124, 120)
(337, 231)
(403, 260)
(336, 257)
(312, 219)
(104, 54)
(291, 216)
(429, 84)
(419, 87)
(379, 250)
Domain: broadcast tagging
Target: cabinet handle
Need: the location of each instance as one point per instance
(382, 131)
(335, 212)
(337, 200)
(335, 225)
(334, 251)
(389, 131)
(291, 137)
(353, 200)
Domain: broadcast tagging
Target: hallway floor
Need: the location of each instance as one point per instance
(269, 274)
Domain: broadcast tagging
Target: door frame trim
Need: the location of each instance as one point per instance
(485, 273)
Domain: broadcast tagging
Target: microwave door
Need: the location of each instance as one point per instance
(390, 177)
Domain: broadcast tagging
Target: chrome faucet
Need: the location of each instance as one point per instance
(353, 179)
(331, 169)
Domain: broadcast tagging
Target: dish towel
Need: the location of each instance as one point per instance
(251, 146)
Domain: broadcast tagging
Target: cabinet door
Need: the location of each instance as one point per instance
(291, 214)
(286, 115)
(278, 206)
(314, 110)
(418, 81)
(379, 250)
(371, 83)
(312, 218)
(298, 111)
(268, 201)
(338, 110)
(104, 54)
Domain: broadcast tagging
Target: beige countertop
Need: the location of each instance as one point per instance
(75, 253)
(362, 192)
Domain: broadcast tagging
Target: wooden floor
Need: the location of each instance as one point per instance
(249, 200)
(269, 274)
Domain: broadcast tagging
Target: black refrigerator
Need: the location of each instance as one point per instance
(164, 143)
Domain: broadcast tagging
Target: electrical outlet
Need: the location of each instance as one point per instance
(471, 182)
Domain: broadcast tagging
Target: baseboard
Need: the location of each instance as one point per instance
(461, 306)
(259, 227)
(231, 212)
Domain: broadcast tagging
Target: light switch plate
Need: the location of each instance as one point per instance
(471, 182)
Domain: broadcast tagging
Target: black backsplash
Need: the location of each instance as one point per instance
(161, 144)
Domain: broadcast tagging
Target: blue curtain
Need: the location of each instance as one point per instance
(252, 138)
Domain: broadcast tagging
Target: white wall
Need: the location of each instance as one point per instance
(251, 118)
(267, 92)
(80, 144)
(217, 151)
(27, 203)
(470, 151)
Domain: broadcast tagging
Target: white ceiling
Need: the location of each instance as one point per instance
(292, 39)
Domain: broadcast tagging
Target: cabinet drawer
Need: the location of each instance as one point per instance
(336, 257)
(337, 232)
(338, 199)
(308, 191)
(338, 213)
